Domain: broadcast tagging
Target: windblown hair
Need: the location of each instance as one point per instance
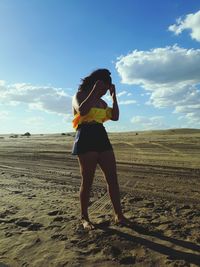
(89, 81)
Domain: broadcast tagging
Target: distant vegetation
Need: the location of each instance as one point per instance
(14, 136)
(26, 134)
(68, 134)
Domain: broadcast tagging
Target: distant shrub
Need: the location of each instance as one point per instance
(14, 136)
(67, 134)
(26, 134)
(136, 133)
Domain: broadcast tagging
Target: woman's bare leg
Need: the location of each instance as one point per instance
(88, 163)
(107, 164)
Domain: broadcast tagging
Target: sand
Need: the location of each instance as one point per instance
(159, 177)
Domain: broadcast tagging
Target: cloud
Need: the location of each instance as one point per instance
(171, 64)
(3, 115)
(124, 93)
(44, 98)
(121, 93)
(34, 121)
(2, 84)
(171, 76)
(190, 22)
(127, 102)
(149, 123)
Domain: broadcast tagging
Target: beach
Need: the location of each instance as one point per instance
(159, 178)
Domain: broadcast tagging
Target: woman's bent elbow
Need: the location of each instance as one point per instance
(115, 118)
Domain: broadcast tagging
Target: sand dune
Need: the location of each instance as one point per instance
(159, 177)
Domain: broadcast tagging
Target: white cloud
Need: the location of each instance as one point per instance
(2, 83)
(190, 22)
(127, 102)
(192, 120)
(160, 66)
(34, 121)
(44, 98)
(149, 123)
(68, 118)
(171, 76)
(121, 93)
(3, 115)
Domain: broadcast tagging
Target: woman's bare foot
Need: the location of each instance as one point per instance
(87, 225)
(121, 220)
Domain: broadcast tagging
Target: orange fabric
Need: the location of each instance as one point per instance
(99, 115)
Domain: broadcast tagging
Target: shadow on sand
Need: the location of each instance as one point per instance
(172, 253)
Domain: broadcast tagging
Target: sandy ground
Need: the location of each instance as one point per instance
(159, 177)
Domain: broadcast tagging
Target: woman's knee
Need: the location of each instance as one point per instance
(87, 179)
(111, 180)
(87, 174)
(86, 185)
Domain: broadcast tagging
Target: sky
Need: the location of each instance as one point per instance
(152, 49)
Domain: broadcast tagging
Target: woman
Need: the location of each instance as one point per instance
(91, 142)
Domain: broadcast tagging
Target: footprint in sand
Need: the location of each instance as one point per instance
(16, 192)
(128, 260)
(89, 251)
(9, 211)
(7, 234)
(74, 240)
(29, 196)
(58, 219)
(55, 212)
(59, 237)
(149, 204)
(23, 222)
(3, 214)
(112, 251)
(135, 199)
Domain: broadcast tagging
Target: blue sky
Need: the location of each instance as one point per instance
(152, 49)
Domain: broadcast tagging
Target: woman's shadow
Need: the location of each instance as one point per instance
(172, 253)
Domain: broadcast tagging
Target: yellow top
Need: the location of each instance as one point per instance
(99, 115)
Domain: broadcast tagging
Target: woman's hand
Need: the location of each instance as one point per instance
(115, 108)
(112, 91)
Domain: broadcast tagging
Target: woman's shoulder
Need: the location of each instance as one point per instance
(79, 96)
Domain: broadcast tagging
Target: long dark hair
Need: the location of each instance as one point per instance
(89, 81)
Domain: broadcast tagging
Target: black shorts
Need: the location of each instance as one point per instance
(91, 137)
